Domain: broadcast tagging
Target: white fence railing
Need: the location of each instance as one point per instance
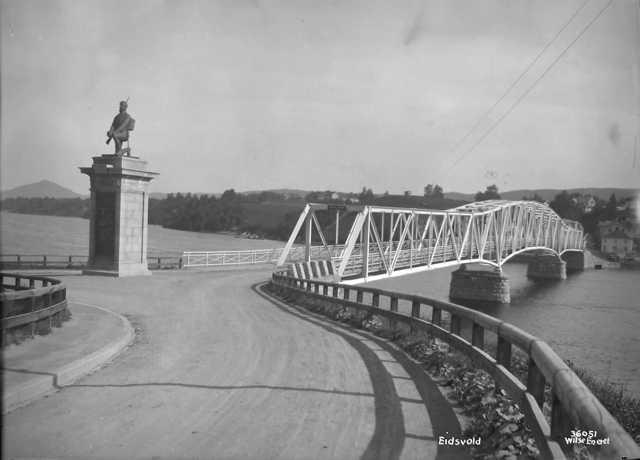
(252, 256)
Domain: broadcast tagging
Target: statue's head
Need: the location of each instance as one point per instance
(123, 106)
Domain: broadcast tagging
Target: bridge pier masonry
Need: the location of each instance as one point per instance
(480, 282)
(575, 261)
(119, 215)
(547, 267)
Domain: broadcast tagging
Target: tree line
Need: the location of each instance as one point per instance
(272, 215)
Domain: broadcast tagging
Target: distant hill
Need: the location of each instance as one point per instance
(548, 194)
(42, 189)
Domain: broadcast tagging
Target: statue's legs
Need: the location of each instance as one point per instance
(119, 138)
(118, 144)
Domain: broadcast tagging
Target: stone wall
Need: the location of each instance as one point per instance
(487, 285)
(576, 261)
(547, 267)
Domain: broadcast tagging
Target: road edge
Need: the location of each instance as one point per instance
(41, 386)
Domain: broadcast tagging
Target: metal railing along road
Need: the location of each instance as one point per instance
(573, 406)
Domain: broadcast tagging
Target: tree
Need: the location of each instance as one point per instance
(407, 193)
(428, 190)
(438, 192)
(566, 206)
(228, 195)
(491, 193)
(366, 196)
(610, 209)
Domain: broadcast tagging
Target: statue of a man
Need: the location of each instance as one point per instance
(119, 131)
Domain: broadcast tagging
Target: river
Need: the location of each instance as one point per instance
(592, 318)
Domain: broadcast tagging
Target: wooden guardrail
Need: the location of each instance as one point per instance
(573, 406)
(30, 305)
(40, 261)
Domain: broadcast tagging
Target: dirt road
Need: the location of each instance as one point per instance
(219, 371)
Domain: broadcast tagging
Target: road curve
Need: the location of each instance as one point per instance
(218, 370)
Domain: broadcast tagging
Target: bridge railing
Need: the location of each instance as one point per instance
(252, 256)
(573, 406)
(31, 303)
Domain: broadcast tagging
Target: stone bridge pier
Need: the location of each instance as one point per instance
(547, 267)
(575, 261)
(479, 282)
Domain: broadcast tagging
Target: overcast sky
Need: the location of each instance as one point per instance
(323, 94)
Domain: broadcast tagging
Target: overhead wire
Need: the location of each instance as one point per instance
(526, 93)
(519, 78)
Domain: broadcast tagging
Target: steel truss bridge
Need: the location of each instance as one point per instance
(386, 241)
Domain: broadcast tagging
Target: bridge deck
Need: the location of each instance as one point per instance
(219, 371)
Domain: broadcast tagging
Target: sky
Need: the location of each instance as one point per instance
(325, 95)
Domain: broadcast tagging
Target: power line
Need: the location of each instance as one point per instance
(517, 80)
(526, 93)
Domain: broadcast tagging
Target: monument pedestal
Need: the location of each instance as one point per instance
(119, 216)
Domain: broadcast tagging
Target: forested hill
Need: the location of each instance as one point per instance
(264, 214)
(273, 215)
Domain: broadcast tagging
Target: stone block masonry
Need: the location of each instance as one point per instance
(575, 260)
(479, 283)
(119, 215)
(547, 267)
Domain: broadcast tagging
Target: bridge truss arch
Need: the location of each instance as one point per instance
(389, 241)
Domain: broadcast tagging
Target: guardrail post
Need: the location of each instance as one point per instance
(415, 308)
(375, 299)
(309, 286)
(180, 263)
(325, 290)
(16, 283)
(18, 260)
(159, 262)
(477, 336)
(70, 261)
(436, 316)
(504, 353)
(336, 290)
(359, 295)
(345, 293)
(560, 422)
(317, 288)
(32, 283)
(455, 324)
(394, 303)
(44, 261)
(32, 325)
(535, 382)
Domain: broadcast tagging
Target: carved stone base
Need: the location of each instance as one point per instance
(119, 215)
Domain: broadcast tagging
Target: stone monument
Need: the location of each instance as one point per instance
(119, 215)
